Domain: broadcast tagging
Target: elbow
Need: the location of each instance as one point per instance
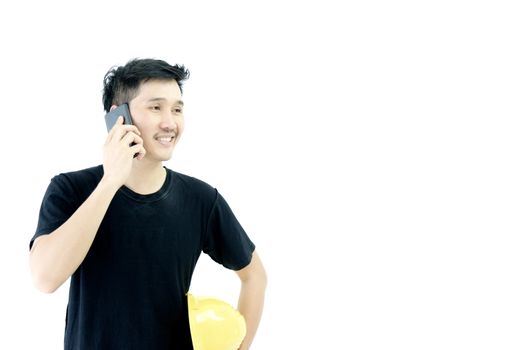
(43, 283)
(44, 287)
(41, 278)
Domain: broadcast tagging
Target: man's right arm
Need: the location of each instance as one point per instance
(54, 257)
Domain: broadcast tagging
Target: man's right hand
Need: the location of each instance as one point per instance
(118, 152)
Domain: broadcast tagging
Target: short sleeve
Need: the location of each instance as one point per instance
(226, 242)
(58, 204)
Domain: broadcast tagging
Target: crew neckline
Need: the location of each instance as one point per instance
(151, 197)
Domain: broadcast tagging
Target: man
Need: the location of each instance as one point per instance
(129, 232)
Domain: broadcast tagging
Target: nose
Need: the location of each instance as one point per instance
(168, 122)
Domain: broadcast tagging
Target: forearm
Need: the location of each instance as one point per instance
(250, 305)
(56, 256)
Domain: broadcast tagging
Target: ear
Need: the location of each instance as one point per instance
(112, 107)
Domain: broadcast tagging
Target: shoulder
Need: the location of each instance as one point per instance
(194, 186)
(79, 181)
(92, 172)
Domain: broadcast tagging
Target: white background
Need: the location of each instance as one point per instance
(372, 150)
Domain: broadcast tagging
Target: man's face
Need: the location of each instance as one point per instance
(157, 112)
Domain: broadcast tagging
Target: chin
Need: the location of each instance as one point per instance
(159, 154)
(164, 157)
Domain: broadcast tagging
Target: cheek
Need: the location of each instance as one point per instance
(138, 124)
(145, 133)
(181, 125)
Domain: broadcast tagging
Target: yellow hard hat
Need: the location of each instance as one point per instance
(214, 324)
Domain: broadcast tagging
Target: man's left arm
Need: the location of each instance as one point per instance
(251, 301)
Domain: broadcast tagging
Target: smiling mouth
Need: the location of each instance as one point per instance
(165, 140)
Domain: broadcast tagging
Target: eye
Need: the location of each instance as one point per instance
(177, 110)
(155, 108)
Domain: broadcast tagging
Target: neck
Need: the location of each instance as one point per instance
(146, 177)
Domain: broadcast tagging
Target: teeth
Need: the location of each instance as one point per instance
(165, 139)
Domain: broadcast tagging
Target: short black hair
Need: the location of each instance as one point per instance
(121, 83)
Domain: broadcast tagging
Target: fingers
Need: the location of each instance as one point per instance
(138, 151)
(133, 144)
(131, 138)
(119, 130)
(126, 138)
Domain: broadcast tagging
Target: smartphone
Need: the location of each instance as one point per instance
(112, 116)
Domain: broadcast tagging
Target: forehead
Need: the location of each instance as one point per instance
(155, 89)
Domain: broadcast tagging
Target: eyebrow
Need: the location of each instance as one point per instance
(156, 99)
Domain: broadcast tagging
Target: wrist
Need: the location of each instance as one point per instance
(109, 184)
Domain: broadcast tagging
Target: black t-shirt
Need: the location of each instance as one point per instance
(130, 290)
